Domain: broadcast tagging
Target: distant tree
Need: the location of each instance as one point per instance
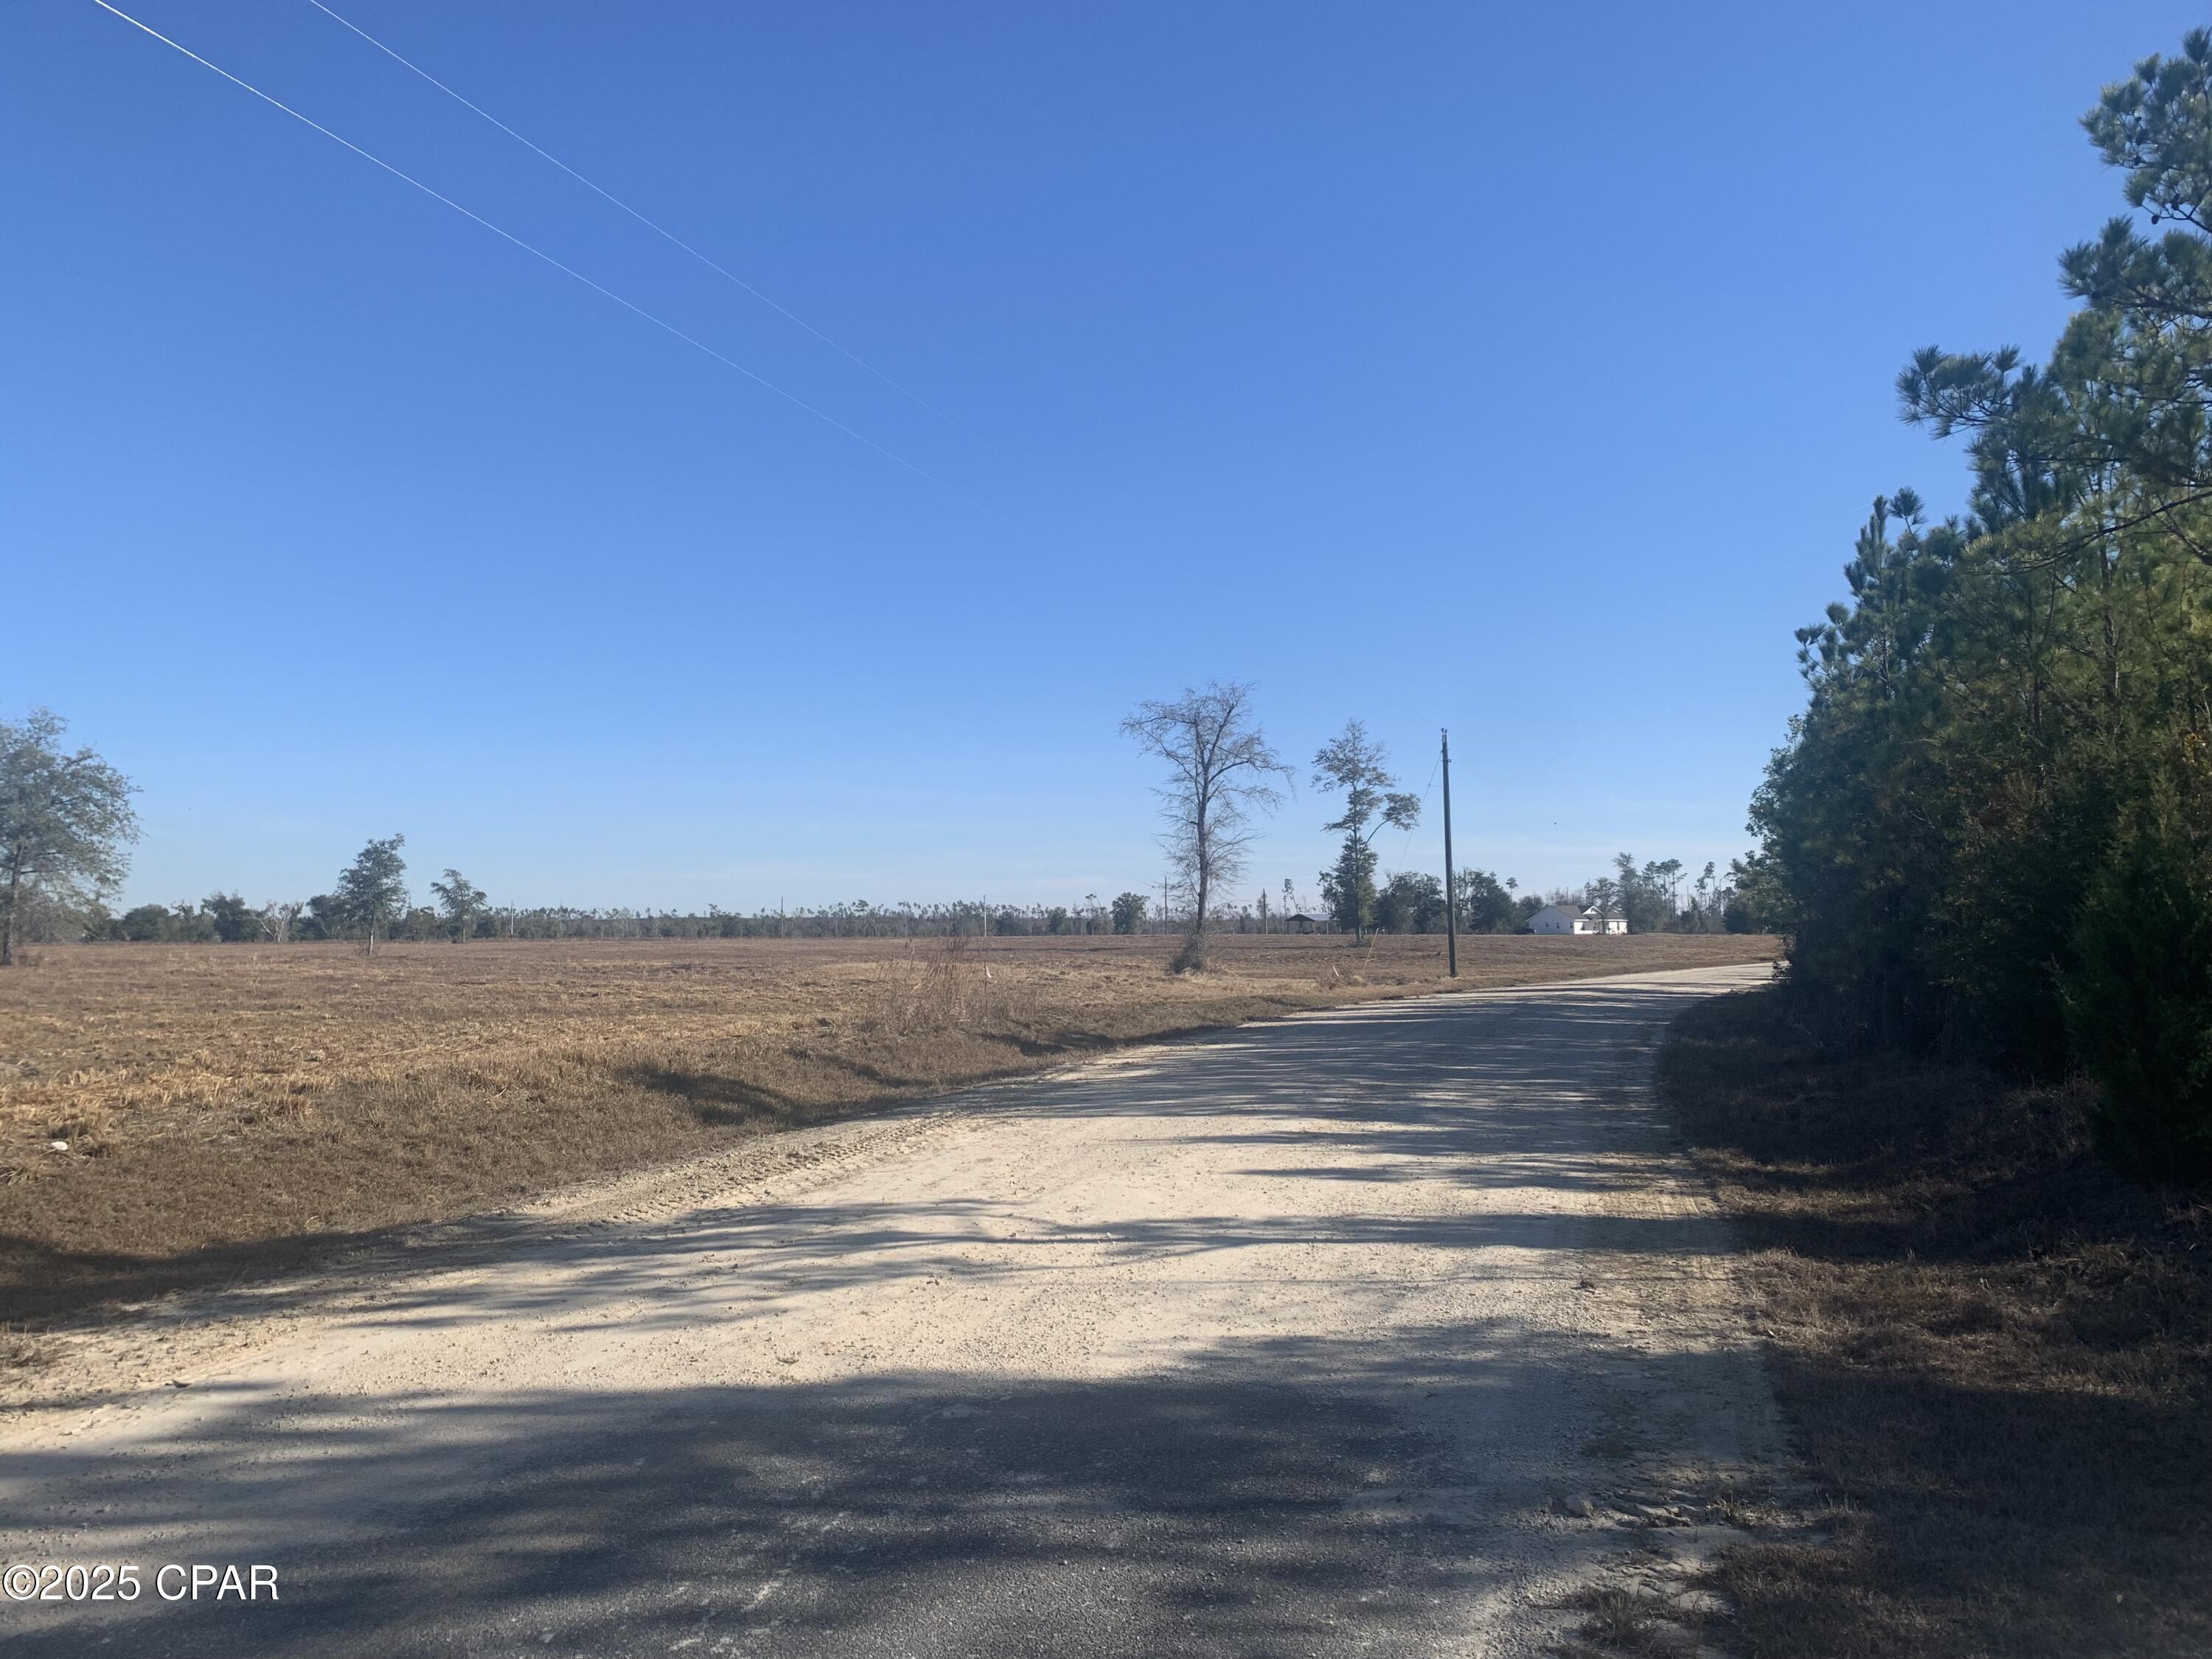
(65, 819)
(277, 919)
(1410, 903)
(189, 925)
(1758, 902)
(1486, 904)
(1129, 912)
(1603, 896)
(233, 920)
(143, 923)
(1219, 770)
(169, 924)
(1643, 894)
(1702, 914)
(459, 903)
(1347, 887)
(372, 891)
(1352, 764)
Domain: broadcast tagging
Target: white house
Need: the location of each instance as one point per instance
(1564, 919)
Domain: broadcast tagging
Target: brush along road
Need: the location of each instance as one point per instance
(1396, 1328)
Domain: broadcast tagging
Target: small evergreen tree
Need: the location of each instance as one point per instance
(372, 891)
(1347, 887)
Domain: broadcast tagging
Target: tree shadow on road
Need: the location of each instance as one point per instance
(1290, 1496)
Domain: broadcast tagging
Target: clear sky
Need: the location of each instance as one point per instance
(1525, 370)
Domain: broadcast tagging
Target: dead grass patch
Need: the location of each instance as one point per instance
(249, 1106)
(1996, 1355)
(1622, 1622)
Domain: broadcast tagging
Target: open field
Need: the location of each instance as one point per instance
(231, 1108)
(1996, 1354)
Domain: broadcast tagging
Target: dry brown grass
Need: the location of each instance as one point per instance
(1997, 1356)
(228, 1108)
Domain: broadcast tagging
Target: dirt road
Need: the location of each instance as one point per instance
(1385, 1330)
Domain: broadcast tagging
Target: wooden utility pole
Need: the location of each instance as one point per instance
(1451, 890)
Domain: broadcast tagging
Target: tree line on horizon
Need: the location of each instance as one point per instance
(1989, 833)
(65, 817)
(1652, 899)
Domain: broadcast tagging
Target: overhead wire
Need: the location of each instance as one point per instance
(566, 270)
(650, 224)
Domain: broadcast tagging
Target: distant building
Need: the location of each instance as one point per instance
(1302, 923)
(1565, 918)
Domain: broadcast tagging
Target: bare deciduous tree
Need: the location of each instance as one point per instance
(1219, 770)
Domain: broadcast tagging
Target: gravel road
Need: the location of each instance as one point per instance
(1389, 1329)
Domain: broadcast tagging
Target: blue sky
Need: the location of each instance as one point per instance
(1525, 370)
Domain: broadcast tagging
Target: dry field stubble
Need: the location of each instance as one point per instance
(230, 1110)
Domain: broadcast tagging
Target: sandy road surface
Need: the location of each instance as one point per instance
(1310, 1337)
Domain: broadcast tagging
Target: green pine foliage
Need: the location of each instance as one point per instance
(1347, 887)
(1986, 833)
(2137, 995)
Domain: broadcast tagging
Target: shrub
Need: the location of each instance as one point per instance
(1191, 958)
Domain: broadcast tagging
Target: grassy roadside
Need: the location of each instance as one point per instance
(1996, 1356)
(230, 1110)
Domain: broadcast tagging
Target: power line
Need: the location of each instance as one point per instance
(567, 271)
(649, 223)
